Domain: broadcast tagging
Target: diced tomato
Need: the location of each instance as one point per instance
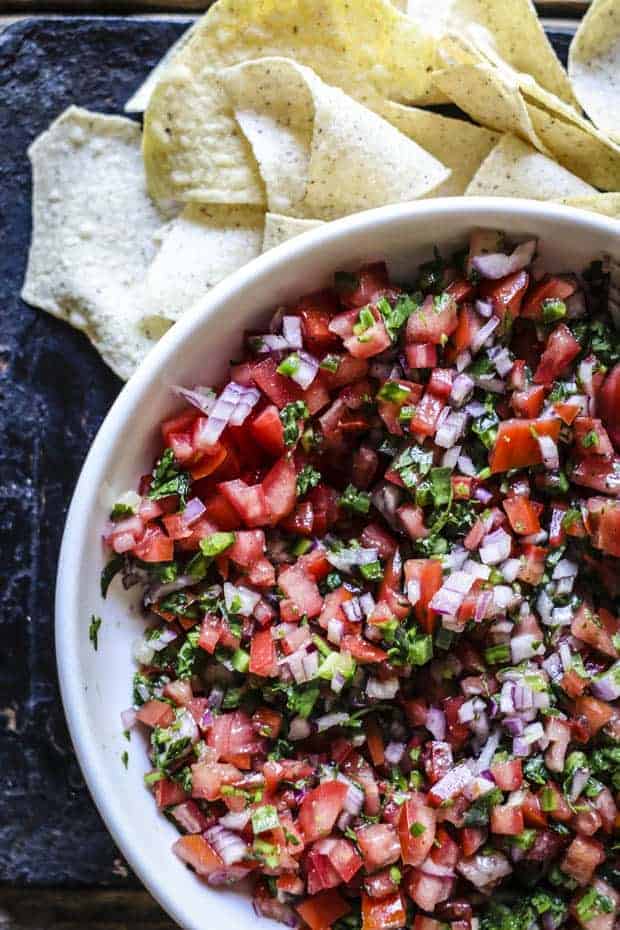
(597, 713)
(472, 838)
(416, 830)
(279, 389)
(280, 488)
(529, 402)
(154, 546)
(156, 714)
(342, 855)
(604, 524)
(285, 770)
(461, 289)
(320, 809)
(506, 295)
(315, 563)
(374, 741)
(248, 547)
(301, 521)
(411, 518)
(361, 650)
(507, 820)
(221, 513)
(421, 355)
(195, 851)
(378, 844)
(302, 591)
(458, 733)
(591, 438)
(263, 659)
(208, 778)
(508, 775)
(429, 575)
(424, 420)
(582, 857)
(427, 891)
(608, 400)
(168, 792)
(321, 911)
(374, 536)
(267, 722)
(516, 445)
(268, 431)
(316, 311)
(384, 913)
(210, 633)
(250, 502)
(561, 349)
(179, 425)
(567, 412)
(371, 342)
(548, 288)
(324, 502)
(468, 325)
(596, 629)
(523, 514)
(598, 474)
(179, 691)
(349, 370)
(440, 383)
(371, 283)
(435, 320)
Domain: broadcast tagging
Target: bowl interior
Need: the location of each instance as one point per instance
(96, 686)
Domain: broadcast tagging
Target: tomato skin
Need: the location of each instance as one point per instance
(372, 282)
(522, 514)
(301, 590)
(429, 574)
(608, 401)
(154, 546)
(156, 714)
(378, 844)
(263, 658)
(508, 775)
(595, 629)
(597, 713)
(361, 650)
(280, 488)
(471, 839)
(195, 851)
(267, 430)
(561, 349)
(591, 438)
(529, 402)
(320, 809)
(507, 820)
(415, 849)
(516, 447)
(549, 287)
(431, 325)
(424, 421)
(249, 501)
(582, 857)
(598, 474)
(604, 524)
(506, 295)
(322, 910)
(384, 913)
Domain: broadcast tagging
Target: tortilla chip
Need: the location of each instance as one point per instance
(279, 229)
(197, 250)
(607, 204)
(489, 97)
(139, 101)
(93, 226)
(459, 145)
(594, 64)
(514, 29)
(367, 48)
(588, 154)
(516, 169)
(321, 154)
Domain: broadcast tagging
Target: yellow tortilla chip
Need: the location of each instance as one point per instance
(594, 64)
(514, 29)
(197, 250)
(139, 100)
(459, 145)
(586, 153)
(607, 204)
(489, 97)
(367, 48)
(93, 227)
(279, 229)
(516, 169)
(321, 154)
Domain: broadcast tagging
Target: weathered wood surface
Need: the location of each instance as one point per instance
(86, 909)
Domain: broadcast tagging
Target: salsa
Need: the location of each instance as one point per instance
(381, 666)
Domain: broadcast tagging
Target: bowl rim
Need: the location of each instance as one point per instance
(477, 210)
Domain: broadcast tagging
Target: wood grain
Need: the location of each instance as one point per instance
(571, 8)
(86, 909)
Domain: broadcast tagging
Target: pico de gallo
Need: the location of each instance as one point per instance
(381, 667)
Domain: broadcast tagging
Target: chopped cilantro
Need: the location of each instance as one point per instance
(396, 316)
(290, 415)
(535, 771)
(110, 570)
(93, 631)
(477, 814)
(187, 655)
(307, 478)
(592, 904)
(169, 478)
(120, 511)
(125, 758)
(411, 647)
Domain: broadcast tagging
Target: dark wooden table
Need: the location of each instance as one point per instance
(59, 869)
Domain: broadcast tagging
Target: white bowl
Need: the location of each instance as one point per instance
(96, 686)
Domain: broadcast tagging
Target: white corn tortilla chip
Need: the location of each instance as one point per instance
(279, 229)
(93, 225)
(607, 204)
(514, 28)
(459, 145)
(489, 97)
(367, 48)
(197, 250)
(139, 101)
(587, 154)
(516, 169)
(321, 154)
(594, 65)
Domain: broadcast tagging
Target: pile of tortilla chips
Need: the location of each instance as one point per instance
(270, 117)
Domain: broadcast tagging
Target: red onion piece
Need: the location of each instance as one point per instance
(291, 331)
(306, 371)
(549, 452)
(495, 547)
(484, 308)
(484, 333)
(194, 509)
(436, 723)
(497, 265)
(128, 718)
(202, 398)
(461, 391)
(227, 844)
(299, 729)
